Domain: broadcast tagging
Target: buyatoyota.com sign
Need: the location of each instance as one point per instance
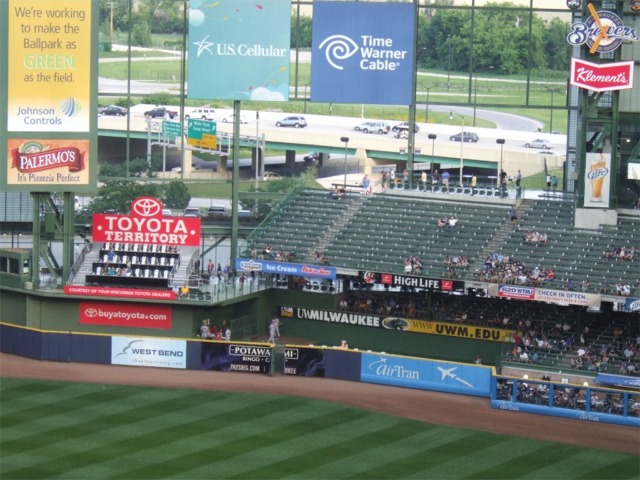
(362, 52)
(239, 50)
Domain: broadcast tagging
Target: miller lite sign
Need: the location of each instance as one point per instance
(601, 77)
(146, 225)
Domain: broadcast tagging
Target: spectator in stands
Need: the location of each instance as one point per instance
(513, 214)
(445, 179)
(435, 178)
(554, 183)
(227, 334)
(548, 180)
(518, 178)
(274, 330)
(204, 329)
(184, 291)
(210, 268)
(503, 181)
(384, 182)
(474, 184)
(366, 185)
(219, 272)
(423, 179)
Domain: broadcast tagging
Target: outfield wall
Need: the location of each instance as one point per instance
(328, 362)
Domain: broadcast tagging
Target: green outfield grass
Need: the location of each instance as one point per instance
(83, 431)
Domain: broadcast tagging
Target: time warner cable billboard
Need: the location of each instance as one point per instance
(239, 50)
(362, 52)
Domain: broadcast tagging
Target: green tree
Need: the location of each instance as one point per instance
(117, 191)
(175, 195)
(301, 31)
(141, 32)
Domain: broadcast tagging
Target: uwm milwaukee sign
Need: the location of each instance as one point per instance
(146, 225)
(601, 77)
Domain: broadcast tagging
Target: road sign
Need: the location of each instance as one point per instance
(172, 129)
(202, 133)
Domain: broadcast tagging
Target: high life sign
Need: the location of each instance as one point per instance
(146, 225)
(601, 77)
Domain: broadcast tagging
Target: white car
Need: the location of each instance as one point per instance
(232, 118)
(539, 143)
(202, 113)
(271, 176)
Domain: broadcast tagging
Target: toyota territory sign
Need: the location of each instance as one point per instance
(601, 77)
(146, 225)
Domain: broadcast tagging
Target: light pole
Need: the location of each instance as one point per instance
(426, 110)
(257, 153)
(475, 95)
(305, 97)
(461, 142)
(432, 137)
(551, 112)
(500, 141)
(345, 140)
(449, 67)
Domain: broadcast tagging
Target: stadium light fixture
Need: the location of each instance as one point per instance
(461, 142)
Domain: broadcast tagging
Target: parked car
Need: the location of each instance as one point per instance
(296, 122)
(161, 112)
(217, 211)
(202, 113)
(192, 212)
(112, 110)
(166, 212)
(539, 143)
(271, 176)
(232, 118)
(465, 137)
(373, 127)
(405, 126)
(315, 156)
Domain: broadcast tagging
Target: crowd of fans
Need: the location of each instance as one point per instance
(412, 265)
(622, 253)
(447, 222)
(536, 237)
(456, 261)
(500, 268)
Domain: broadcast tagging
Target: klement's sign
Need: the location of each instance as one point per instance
(146, 225)
(601, 77)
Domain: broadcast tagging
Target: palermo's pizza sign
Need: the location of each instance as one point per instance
(146, 224)
(601, 77)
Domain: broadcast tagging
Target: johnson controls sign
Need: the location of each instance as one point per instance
(146, 225)
(601, 77)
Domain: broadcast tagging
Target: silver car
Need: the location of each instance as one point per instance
(296, 122)
(539, 143)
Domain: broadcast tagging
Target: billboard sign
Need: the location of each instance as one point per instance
(597, 180)
(359, 58)
(239, 50)
(48, 163)
(602, 32)
(49, 60)
(149, 352)
(413, 281)
(601, 77)
(125, 315)
(284, 268)
(146, 225)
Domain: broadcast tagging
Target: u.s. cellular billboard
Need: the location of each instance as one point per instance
(362, 52)
(239, 50)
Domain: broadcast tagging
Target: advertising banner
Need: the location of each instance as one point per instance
(304, 362)
(396, 323)
(426, 283)
(239, 50)
(597, 178)
(601, 77)
(49, 57)
(97, 291)
(568, 298)
(426, 374)
(512, 291)
(47, 162)
(362, 52)
(284, 268)
(147, 225)
(149, 352)
(232, 357)
(632, 304)
(125, 315)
